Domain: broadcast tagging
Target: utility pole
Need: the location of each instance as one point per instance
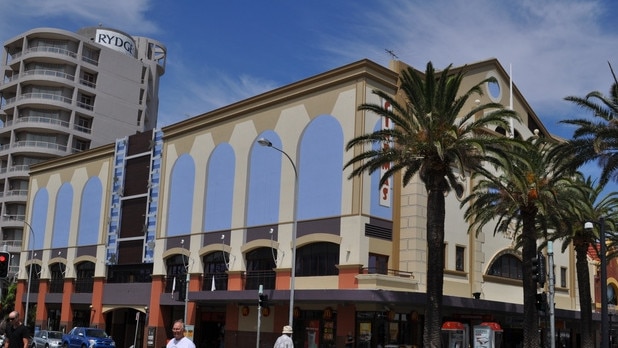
(552, 291)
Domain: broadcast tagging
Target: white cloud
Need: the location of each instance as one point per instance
(28, 14)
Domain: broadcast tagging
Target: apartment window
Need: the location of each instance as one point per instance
(378, 264)
(80, 145)
(176, 269)
(215, 271)
(85, 101)
(56, 283)
(90, 55)
(260, 269)
(317, 259)
(88, 79)
(459, 258)
(507, 266)
(85, 277)
(83, 124)
(563, 277)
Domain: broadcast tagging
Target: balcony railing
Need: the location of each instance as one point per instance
(56, 285)
(39, 119)
(390, 272)
(253, 279)
(48, 73)
(219, 280)
(47, 96)
(40, 144)
(84, 285)
(46, 49)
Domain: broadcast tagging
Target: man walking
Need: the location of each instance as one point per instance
(17, 335)
(285, 340)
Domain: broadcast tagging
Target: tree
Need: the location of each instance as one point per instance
(524, 193)
(432, 136)
(589, 206)
(597, 140)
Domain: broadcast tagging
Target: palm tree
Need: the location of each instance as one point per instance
(588, 207)
(597, 140)
(432, 135)
(525, 194)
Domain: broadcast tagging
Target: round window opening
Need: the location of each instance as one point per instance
(493, 89)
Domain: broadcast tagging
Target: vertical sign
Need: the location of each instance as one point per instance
(386, 189)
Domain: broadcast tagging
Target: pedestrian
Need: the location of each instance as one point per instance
(179, 340)
(285, 340)
(17, 334)
(349, 341)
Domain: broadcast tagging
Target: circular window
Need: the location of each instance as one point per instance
(493, 88)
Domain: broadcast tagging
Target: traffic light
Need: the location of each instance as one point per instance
(541, 302)
(5, 258)
(182, 290)
(263, 300)
(538, 269)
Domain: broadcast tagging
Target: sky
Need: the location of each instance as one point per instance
(220, 52)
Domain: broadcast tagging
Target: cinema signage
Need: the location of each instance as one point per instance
(116, 41)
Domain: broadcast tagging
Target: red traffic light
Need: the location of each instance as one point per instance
(3, 258)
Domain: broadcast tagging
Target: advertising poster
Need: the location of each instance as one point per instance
(313, 334)
(189, 331)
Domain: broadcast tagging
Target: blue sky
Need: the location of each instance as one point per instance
(220, 52)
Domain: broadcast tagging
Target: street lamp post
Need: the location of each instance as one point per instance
(267, 143)
(29, 269)
(603, 259)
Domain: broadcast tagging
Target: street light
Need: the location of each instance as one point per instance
(603, 258)
(30, 269)
(267, 143)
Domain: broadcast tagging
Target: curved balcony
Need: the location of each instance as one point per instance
(46, 51)
(39, 122)
(37, 147)
(45, 98)
(48, 75)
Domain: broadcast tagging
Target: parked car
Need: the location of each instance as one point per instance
(81, 337)
(47, 339)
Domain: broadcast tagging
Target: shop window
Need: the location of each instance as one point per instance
(317, 259)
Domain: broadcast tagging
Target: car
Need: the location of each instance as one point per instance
(47, 339)
(87, 337)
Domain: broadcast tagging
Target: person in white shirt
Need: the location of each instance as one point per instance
(285, 340)
(179, 340)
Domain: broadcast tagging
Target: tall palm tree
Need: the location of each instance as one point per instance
(522, 194)
(597, 140)
(432, 136)
(570, 229)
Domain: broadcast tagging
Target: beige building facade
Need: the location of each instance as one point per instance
(124, 226)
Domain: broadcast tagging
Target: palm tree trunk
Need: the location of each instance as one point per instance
(435, 267)
(529, 252)
(583, 285)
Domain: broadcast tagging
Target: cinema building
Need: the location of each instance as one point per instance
(62, 93)
(119, 229)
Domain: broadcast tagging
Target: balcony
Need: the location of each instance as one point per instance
(37, 120)
(219, 280)
(253, 279)
(48, 73)
(39, 145)
(43, 96)
(47, 50)
(389, 279)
